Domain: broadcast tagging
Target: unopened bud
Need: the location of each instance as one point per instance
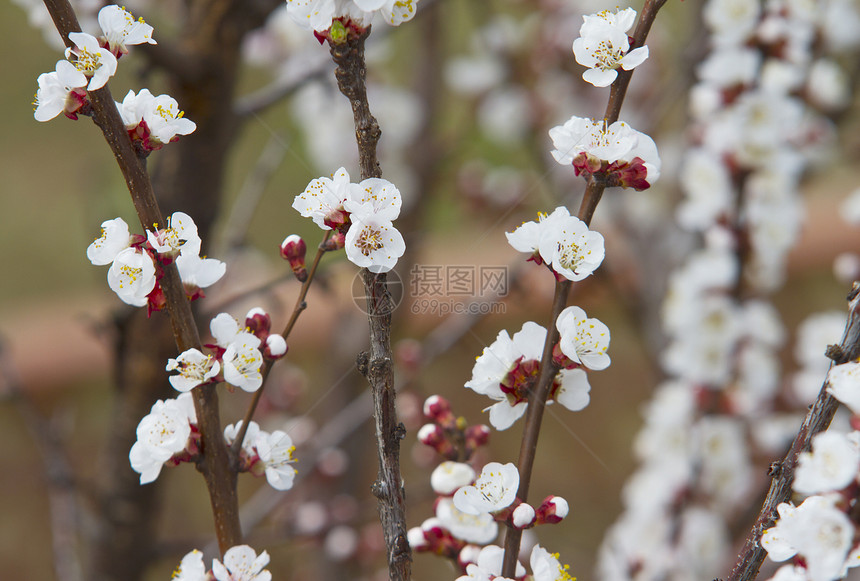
(438, 409)
(523, 516)
(294, 249)
(335, 242)
(552, 510)
(276, 347)
(258, 322)
(476, 436)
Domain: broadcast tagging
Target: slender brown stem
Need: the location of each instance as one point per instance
(214, 463)
(782, 473)
(300, 306)
(376, 365)
(538, 396)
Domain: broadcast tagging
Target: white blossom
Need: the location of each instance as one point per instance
(373, 243)
(132, 276)
(324, 197)
(161, 434)
(583, 340)
(97, 63)
(546, 566)
(448, 476)
(114, 239)
(242, 361)
(191, 568)
(832, 464)
(844, 384)
(121, 29)
(472, 528)
(373, 197)
(194, 368)
(241, 563)
(55, 93)
(276, 454)
(603, 46)
(495, 489)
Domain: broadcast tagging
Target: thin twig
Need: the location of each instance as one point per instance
(300, 306)
(214, 463)
(377, 366)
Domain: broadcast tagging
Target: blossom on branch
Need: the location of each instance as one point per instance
(241, 563)
(583, 340)
(61, 91)
(96, 63)
(616, 153)
(194, 368)
(603, 46)
(374, 243)
(153, 121)
(507, 370)
(562, 242)
(494, 490)
(265, 453)
(121, 29)
(161, 434)
(318, 15)
(132, 276)
(114, 239)
(191, 568)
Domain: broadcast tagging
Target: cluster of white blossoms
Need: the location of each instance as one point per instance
(136, 261)
(236, 356)
(317, 15)
(603, 46)
(487, 565)
(241, 563)
(616, 153)
(361, 214)
(150, 121)
(752, 140)
(265, 453)
(562, 242)
(169, 433)
(820, 532)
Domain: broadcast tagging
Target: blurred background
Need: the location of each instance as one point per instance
(464, 96)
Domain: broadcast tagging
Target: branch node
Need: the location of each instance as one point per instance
(361, 361)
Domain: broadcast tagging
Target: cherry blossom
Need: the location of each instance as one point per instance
(603, 46)
(489, 566)
(276, 454)
(114, 239)
(546, 566)
(448, 476)
(60, 91)
(132, 276)
(241, 563)
(494, 490)
(472, 528)
(318, 15)
(180, 235)
(374, 243)
(844, 384)
(194, 368)
(562, 241)
(242, 361)
(121, 29)
(191, 568)
(373, 197)
(323, 199)
(508, 368)
(616, 151)
(583, 340)
(96, 63)
(832, 464)
(161, 434)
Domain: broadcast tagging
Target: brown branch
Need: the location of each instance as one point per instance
(817, 420)
(538, 396)
(214, 465)
(377, 365)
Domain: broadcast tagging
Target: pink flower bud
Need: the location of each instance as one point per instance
(477, 436)
(293, 249)
(335, 242)
(436, 406)
(552, 510)
(258, 322)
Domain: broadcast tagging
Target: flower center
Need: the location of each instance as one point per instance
(569, 255)
(87, 62)
(607, 55)
(370, 240)
(132, 273)
(519, 380)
